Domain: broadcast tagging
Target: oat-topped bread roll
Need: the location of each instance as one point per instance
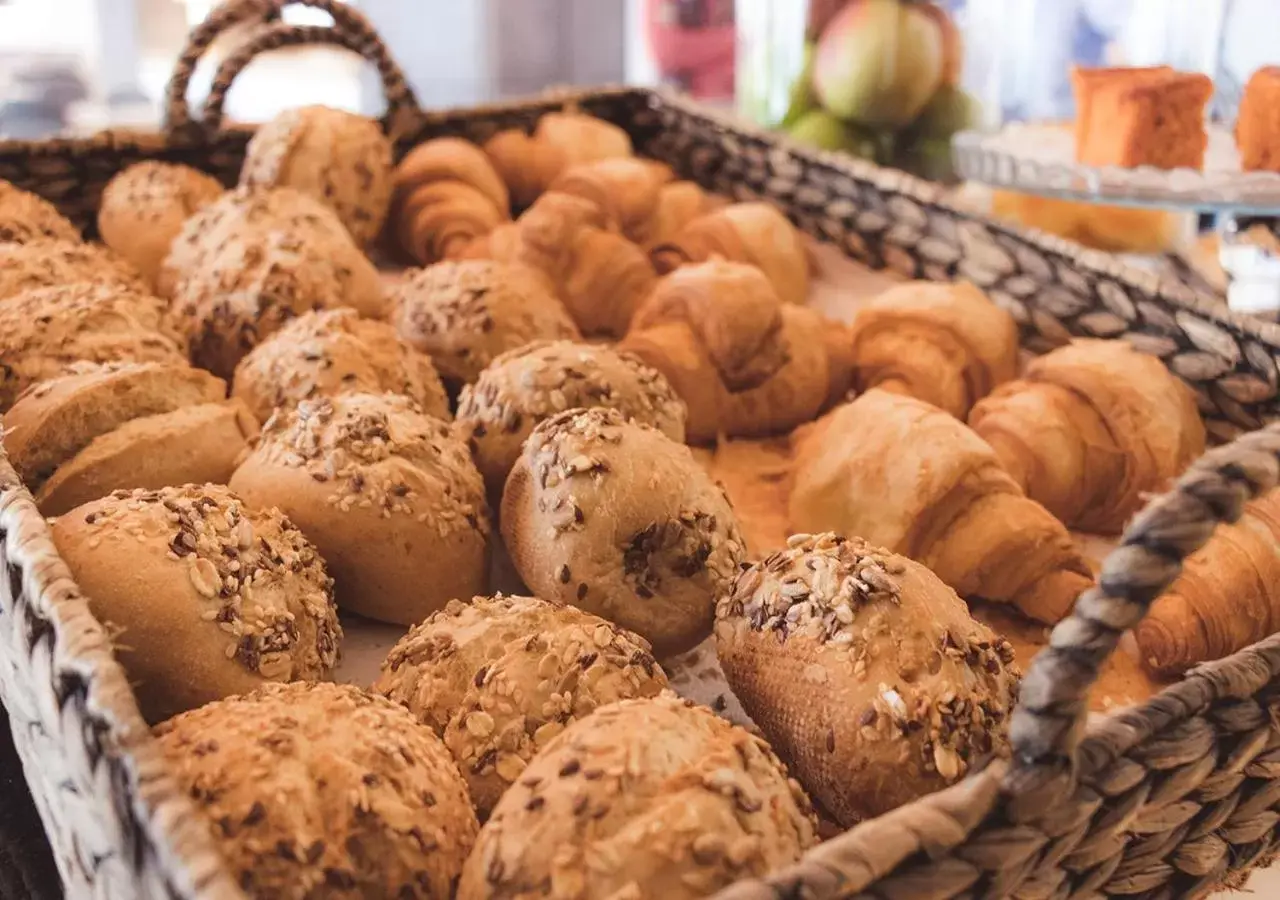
(44, 331)
(207, 596)
(653, 797)
(865, 672)
(25, 217)
(144, 207)
(518, 672)
(337, 157)
(103, 427)
(389, 495)
(464, 314)
(322, 354)
(330, 792)
(52, 263)
(613, 516)
(522, 387)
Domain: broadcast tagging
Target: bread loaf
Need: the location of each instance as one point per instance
(618, 519)
(53, 263)
(25, 217)
(323, 791)
(651, 797)
(206, 597)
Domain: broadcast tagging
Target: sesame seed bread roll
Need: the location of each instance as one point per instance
(206, 597)
(387, 493)
(50, 263)
(318, 791)
(518, 672)
(865, 672)
(25, 217)
(651, 797)
(618, 519)
(144, 207)
(523, 387)
(337, 157)
(466, 313)
(322, 354)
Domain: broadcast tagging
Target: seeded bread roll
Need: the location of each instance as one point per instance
(522, 387)
(322, 354)
(654, 797)
(465, 313)
(49, 263)
(169, 573)
(517, 672)
(618, 519)
(388, 494)
(25, 217)
(323, 791)
(865, 672)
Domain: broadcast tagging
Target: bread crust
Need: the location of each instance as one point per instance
(26, 217)
(49, 263)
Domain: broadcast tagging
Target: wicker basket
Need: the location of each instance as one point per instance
(1167, 800)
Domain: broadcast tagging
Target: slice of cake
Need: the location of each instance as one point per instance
(1141, 117)
(1258, 122)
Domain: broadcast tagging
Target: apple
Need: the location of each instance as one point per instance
(801, 99)
(948, 111)
(820, 129)
(928, 158)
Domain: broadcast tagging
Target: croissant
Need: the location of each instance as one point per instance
(446, 195)
(626, 190)
(1090, 429)
(679, 203)
(907, 476)
(530, 163)
(946, 344)
(754, 233)
(743, 362)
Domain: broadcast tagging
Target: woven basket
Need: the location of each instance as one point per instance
(1166, 800)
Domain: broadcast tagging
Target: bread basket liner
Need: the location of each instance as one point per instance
(1172, 798)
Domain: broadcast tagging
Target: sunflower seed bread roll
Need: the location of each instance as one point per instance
(26, 217)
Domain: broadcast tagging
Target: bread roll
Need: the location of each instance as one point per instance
(144, 206)
(615, 517)
(465, 314)
(337, 157)
(522, 387)
(25, 217)
(865, 672)
(388, 494)
(323, 791)
(51, 263)
(206, 596)
(654, 797)
(518, 671)
(321, 354)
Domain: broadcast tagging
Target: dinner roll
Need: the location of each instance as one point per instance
(50, 263)
(522, 387)
(206, 596)
(388, 494)
(615, 517)
(519, 671)
(26, 217)
(653, 797)
(315, 791)
(321, 354)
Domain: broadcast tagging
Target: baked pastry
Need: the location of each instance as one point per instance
(618, 519)
(337, 157)
(322, 354)
(26, 217)
(518, 672)
(608, 811)
(44, 331)
(582, 138)
(753, 233)
(447, 194)
(387, 493)
(463, 314)
(946, 344)
(144, 206)
(323, 791)
(1141, 117)
(625, 189)
(1091, 429)
(523, 387)
(679, 203)
(907, 476)
(1257, 122)
(52, 263)
(206, 596)
(865, 672)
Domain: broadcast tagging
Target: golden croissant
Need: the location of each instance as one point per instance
(625, 190)
(679, 203)
(907, 476)
(946, 344)
(529, 163)
(1090, 429)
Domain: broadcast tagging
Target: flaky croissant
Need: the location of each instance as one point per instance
(529, 163)
(447, 194)
(1090, 429)
(907, 476)
(753, 233)
(626, 190)
(946, 344)
(679, 203)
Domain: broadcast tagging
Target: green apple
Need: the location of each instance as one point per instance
(802, 99)
(820, 129)
(927, 157)
(948, 111)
